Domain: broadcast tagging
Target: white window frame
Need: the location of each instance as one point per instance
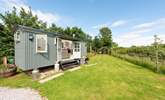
(46, 46)
(77, 47)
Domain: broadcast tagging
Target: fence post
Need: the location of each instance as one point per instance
(156, 53)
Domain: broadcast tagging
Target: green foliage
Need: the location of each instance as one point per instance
(143, 51)
(26, 18)
(106, 37)
(78, 33)
(10, 20)
(88, 42)
(103, 42)
(144, 62)
(72, 32)
(4, 68)
(55, 29)
(114, 45)
(96, 44)
(144, 56)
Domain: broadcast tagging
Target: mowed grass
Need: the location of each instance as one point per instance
(107, 78)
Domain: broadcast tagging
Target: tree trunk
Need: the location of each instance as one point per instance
(5, 60)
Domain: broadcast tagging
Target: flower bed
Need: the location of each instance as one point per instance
(7, 71)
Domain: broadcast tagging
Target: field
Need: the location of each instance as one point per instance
(107, 78)
(144, 56)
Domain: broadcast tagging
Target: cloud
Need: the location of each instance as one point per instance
(118, 23)
(113, 25)
(137, 38)
(100, 26)
(144, 25)
(132, 35)
(44, 16)
(159, 23)
(139, 41)
(142, 34)
(47, 17)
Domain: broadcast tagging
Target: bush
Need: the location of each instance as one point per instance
(90, 55)
(143, 55)
(4, 68)
(144, 62)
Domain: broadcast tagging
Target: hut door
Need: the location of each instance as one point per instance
(77, 50)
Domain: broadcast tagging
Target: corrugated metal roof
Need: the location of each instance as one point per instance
(26, 28)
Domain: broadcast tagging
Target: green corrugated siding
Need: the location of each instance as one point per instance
(20, 52)
(83, 49)
(28, 58)
(25, 51)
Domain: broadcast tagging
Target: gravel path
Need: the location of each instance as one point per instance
(19, 94)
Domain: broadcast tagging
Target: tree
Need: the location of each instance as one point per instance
(106, 37)
(156, 44)
(78, 33)
(26, 18)
(88, 41)
(7, 36)
(96, 44)
(55, 29)
(106, 40)
(75, 32)
(10, 20)
(1, 43)
(114, 45)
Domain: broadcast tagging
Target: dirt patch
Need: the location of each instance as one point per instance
(162, 78)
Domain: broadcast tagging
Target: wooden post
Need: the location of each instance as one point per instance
(35, 74)
(156, 53)
(57, 67)
(5, 60)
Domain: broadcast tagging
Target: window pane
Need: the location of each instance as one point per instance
(41, 43)
(77, 47)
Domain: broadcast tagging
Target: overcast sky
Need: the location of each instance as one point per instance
(133, 22)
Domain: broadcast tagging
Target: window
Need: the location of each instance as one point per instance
(41, 43)
(77, 47)
(17, 36)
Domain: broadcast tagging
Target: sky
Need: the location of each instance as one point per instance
(133, 22)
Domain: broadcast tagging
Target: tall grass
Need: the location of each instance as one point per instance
(141, 61)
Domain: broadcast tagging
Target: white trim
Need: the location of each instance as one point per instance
(77, 54)
(77, 47)
(57, 44)
(44, 36)
(17, 37)
(55, 40)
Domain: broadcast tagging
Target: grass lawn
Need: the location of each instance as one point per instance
(111, 78)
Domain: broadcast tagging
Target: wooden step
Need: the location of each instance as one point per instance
(69, 64)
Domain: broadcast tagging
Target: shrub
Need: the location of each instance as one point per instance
(4, 68)
(90, 55)
(144, 62)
